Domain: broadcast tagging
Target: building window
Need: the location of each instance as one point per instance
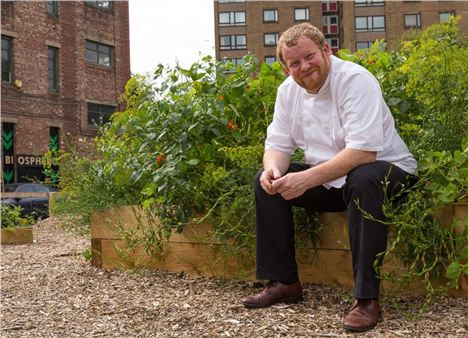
(363, 45)
(232, 42)
(330, 24)
(270, 15)
(6, 58)
(329, 6)
(270, 59)
(52, 8)
(237, 61)
(301, 14)
(98, 53)
(334, 42)
(362, 3)
(232, 18)
(370, 23)
(99, 114)
(445, 16)
(413, 20)
(106, 5)
(52, 65)
(270, 39)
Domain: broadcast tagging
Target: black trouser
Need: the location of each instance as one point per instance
(275, 227)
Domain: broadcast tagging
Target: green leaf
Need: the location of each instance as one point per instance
(464, 253)
(453, 270)
(149, 190)
(193, 161)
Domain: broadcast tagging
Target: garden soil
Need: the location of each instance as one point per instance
(48, 289)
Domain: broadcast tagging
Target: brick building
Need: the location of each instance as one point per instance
(64, 66)
(243, 26)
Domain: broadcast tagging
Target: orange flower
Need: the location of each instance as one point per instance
(231, 125)
(160, 159)
(221, 97)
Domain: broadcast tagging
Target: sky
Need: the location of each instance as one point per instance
(169, 31)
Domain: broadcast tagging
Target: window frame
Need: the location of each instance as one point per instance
(307, 12)
(369, 28)
(269, 59)
(276, 15)
(329, 41)
(54, 70)
(237, 61)
(450, 13)
(99, 53)
(326, 6)
(232, 38)
(327, 27)
(7, 63)
(54, 8)
(232, 19)
(99, 4)
(418, 20)
(368, 3)
(369, 44)
(103, 116)
(275, 38)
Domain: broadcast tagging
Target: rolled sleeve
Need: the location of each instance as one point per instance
(362, 113)
(279, 132)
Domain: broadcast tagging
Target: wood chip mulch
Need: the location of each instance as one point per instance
(48, 289)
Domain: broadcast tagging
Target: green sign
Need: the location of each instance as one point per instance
(7, 139)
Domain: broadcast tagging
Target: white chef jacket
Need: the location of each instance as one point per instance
(349, 111)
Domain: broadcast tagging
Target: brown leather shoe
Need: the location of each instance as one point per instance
(364, 315)
(275, 292)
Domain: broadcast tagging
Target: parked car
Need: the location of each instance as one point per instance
(37, 207)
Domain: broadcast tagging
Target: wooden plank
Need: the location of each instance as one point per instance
(335, 233)
(193, 258)
(96, 252)
(332, 267)
(16, 235)
(195, 233)
(111, 223)
(25, 194)
(194, 251)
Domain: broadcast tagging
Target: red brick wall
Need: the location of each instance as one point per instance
(31, 106)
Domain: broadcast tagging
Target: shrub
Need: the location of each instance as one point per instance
(11, 217)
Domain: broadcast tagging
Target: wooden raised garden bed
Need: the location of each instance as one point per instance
(191, 251)
(17, 235)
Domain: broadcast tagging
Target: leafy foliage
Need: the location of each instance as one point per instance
(191, 140)
(11, 217)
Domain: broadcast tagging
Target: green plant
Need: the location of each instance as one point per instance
(191, 140)
(429, 250)
(436, 71)
(192, 136)
(87, 254)
(87, 185)
(424, 84)
(11, 217)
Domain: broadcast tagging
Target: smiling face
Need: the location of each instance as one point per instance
(307, 64)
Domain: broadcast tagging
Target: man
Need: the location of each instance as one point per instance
(335, 112)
